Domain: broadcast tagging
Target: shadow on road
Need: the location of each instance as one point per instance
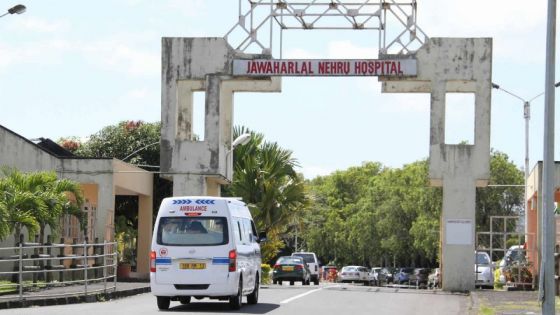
(209, 307)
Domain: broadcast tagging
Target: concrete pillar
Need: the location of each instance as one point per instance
(144, 241)
(201, 64)
(455, 65)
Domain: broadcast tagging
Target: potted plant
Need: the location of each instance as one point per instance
(125, 235)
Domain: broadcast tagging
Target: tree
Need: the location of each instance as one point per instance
(34, 200)
(61, 197)
(265, 177)
(135, 142)
(500, 200)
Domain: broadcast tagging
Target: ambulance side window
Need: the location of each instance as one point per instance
(238, 233)
(247, 232)
(254, 231)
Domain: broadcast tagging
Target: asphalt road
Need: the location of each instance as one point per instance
(327, 299)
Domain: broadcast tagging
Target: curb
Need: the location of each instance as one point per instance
(74, 299)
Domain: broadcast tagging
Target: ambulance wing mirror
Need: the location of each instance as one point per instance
(262, 237)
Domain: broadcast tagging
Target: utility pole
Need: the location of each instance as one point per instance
(546, 282)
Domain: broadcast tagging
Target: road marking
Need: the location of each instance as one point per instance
(304, 294)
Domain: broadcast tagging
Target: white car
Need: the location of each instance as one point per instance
(484, 270)
(376, 276)
(354, 274)
(313, 264)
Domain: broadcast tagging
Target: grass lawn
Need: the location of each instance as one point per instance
(10, 287)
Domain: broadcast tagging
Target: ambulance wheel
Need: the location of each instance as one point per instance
(163, 302)
(235, 301)
(185, 300)
(253, 298)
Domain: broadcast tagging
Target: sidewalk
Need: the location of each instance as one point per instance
(505, 302)
(73, 294)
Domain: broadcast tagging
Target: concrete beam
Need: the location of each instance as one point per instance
(200, 64)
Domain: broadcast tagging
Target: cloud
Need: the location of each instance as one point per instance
(111, 54)
(348, 50)
(33, 24)
(41, 52)
(299, 53)
(116, 55)
(405, 103)
(336, 50)
(511, 23)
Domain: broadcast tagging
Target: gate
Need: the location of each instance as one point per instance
(506, 243)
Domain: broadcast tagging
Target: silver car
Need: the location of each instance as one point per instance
(484, 270)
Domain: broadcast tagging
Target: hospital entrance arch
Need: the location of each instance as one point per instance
(439, 66)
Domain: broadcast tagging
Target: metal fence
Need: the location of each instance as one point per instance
(518, 269)
(35, 267)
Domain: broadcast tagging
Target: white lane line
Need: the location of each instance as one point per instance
(304, 294)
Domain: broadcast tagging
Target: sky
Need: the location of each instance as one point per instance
(70, 68)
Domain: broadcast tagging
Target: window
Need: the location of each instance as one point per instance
(184, 231)
(307, 257)
(238, 233)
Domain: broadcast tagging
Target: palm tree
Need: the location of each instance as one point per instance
(18, 204)
(57, 196)
(265, 177)
(35, 200)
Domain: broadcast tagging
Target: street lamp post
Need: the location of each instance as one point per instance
(241, 140)
(527, 118)
(18, 9)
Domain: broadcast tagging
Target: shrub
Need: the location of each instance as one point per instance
(265, 272)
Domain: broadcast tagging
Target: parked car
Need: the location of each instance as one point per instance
(484, 270)
(290, 268)
(377, 276)
(313, 263)
(403, 275)
(389, 273)
(354, 274)
(515, 255)
(419, 277)
(434, 279)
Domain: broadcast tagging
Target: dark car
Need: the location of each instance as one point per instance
(389, 274)
(403, 275)
(377, 276)
(420, 277)
(291, 268)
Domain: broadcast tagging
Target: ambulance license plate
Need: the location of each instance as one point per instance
(192, 266)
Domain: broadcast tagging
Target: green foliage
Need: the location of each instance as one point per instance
(35, 200)
(135, 142)
(265, 178)
(374, 215)
(265, 272)
(501, 200)
(125, 235)
(497, 274)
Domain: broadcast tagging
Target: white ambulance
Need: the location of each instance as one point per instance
(205, 247)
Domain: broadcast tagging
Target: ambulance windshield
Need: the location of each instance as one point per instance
(187, 231)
